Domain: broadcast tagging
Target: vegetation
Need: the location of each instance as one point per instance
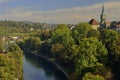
(11, 63)
(89, 76)
(84, 53)
(90, 53)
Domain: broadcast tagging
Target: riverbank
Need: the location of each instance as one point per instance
(37, 68)
(52, 62)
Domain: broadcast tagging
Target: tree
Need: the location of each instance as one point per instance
(81, 31)
(61, 31)
(115, 50)
(12, 47)
(1, 46)
(108, 36)
(45, 48)
(92, 54)
(45, 35)
(33, 43)
(11, 64)
(89, 76)
(62, 41)
(65, 48)
(57, 49)
(93, 33)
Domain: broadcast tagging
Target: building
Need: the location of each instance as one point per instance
(102, 19)
(102, 24)
(95, 24)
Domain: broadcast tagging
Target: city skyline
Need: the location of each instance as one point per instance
(58, 11)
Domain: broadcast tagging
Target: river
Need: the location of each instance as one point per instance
(36, 68)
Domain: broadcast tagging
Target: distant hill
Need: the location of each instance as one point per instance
(21, 24)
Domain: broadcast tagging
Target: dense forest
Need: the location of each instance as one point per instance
(84, 53)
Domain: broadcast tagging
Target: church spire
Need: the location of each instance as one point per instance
(103, 19)
(103, 9)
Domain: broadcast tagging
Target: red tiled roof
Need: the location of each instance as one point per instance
(94, 22)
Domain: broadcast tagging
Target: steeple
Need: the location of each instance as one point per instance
(103, 9)
(103, 19)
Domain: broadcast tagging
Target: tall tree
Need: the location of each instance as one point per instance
(92, 53)
(115, 50)
(80, 31)
(61, 31)
(62, 42)
(108, 36)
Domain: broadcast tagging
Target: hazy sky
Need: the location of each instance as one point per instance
(58, 11)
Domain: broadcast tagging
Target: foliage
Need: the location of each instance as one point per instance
(1, 46)
(81, 31)
(62, 41)
(93, 33)
(108, 36)
(92, 54)
(84, 49)
(13, 47)
(32, 43)
(115, 50)
(44, 48)
(57, 49)
(45, 34)
(89, 76)
(11, 63)
(20, 24)
(61, 31)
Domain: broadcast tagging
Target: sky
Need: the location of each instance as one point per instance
(58, 11)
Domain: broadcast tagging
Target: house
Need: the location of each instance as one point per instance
(102, 24)
(94, 23)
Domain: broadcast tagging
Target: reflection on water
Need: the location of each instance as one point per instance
(36, 68)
